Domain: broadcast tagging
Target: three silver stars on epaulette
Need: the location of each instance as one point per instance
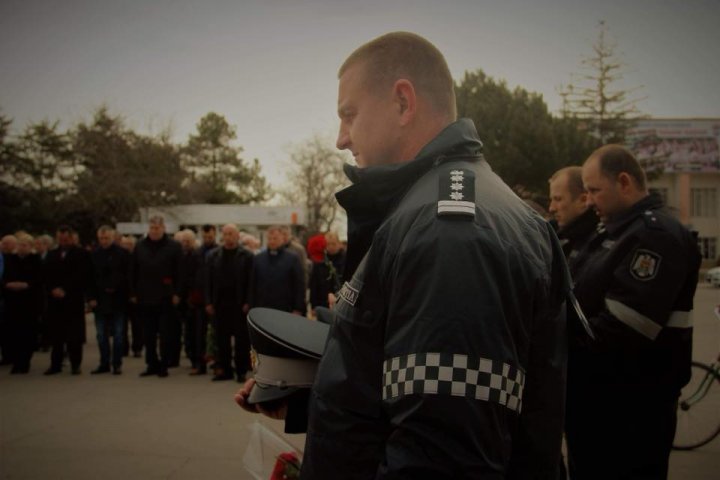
(456, 176)
(456, 193)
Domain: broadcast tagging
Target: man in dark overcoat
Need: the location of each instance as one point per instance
(69, 279)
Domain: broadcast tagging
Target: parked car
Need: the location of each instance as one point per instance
(712, 276)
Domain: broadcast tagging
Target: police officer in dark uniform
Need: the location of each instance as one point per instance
(635, 281)
(568, 205)
(446, 356)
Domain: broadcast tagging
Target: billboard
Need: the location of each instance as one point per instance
(677, 145)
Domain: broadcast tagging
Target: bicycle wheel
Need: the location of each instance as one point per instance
(698, 413)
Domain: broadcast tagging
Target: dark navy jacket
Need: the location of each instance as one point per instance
(112, 278)
(155, 270)
(446, 358)
(242, 265)
(278, 281)
(636, 281)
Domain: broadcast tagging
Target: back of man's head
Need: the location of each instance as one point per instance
(404, 55)
(615, 159)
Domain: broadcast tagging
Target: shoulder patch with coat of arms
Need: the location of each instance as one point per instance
(456, 193)
(645, 264)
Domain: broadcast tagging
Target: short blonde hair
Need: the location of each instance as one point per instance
(405, 55)
(23, 237)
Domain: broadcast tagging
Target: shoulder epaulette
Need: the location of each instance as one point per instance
(456, 193)
(651, 220)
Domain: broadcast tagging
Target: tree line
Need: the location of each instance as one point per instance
(523, 141)
(102, 171)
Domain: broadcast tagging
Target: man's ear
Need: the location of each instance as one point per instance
(406, 100)
(625, 181)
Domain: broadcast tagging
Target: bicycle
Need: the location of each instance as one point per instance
(698, 414)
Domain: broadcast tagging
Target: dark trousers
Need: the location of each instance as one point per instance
(133, 324)
(187, 314)
(110, 323)
(230, 322)
(156, 322)
(201, 328)
(74, 351)
(5, 349)
(174, 337)
(22, 339)
(625, 437)
(194, 322)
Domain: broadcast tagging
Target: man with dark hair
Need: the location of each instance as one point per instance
(446, 354)
(227, 287)
(576, 222)
(68, 280)
(112, 280)
(156, 264)
(209, 238)
(635, 281)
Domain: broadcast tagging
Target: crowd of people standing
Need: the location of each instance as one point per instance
(162, 294)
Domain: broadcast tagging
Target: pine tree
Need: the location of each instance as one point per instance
(597, 99)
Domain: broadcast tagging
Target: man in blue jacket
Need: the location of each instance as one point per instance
(278, 276)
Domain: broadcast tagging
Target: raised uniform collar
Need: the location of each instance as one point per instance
(377, 187)
(648, 203)
(580, 227)
(377, 190)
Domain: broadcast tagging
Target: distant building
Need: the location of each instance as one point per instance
(686, 155)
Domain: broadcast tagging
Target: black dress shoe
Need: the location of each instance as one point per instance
(148, 373)
(52, 371)
(76, 371)
(117, 371)
(162, 373)
(18, 370)
(220, 378)
(100, 369)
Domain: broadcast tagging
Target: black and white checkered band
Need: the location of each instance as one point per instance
(455, 375)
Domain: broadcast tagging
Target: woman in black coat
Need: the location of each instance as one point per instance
(22, 290)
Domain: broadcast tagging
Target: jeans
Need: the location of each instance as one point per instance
(110, 322)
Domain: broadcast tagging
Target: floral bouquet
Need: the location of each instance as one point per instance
(287, 467)
(269, 456)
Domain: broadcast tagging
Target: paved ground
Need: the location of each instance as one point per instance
(182, 427)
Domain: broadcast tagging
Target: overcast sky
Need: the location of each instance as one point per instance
(270, 66)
